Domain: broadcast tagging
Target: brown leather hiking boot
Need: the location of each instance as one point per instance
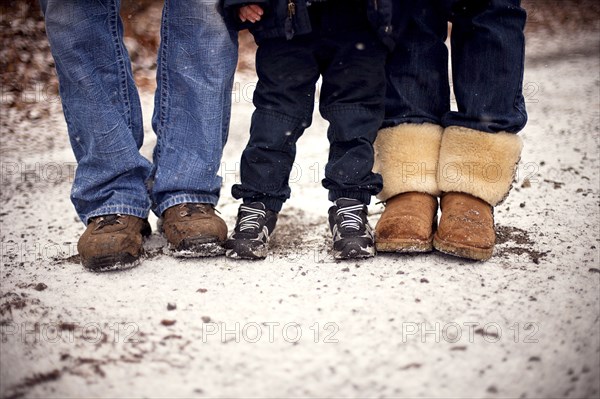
(194, 230)
(407, 224)
(466, 227)
(112, 242)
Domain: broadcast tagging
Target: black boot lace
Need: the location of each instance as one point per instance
(108, 220)
(190, 209)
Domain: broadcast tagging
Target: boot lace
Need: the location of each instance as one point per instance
(189, 209)
(350, 220)
(108, 220)
(249, 218)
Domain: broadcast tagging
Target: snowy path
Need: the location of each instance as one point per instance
(525, 324)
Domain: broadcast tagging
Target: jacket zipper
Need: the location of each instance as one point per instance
(376, 4)
(289, 22)
(291, 9)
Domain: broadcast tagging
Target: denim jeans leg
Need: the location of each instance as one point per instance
(417, 71)
(488, 50)
(196, 65)
(101, 107)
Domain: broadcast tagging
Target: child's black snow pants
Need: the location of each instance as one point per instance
(346, 52)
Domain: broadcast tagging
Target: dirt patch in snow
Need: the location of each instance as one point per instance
(513, 241)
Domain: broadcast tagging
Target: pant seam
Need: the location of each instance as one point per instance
(164, 79)
(519, 94)
(117, 208)
(280, 115)
(119, 52)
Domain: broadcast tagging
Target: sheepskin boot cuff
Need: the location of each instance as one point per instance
(478, 163)
(406, 156)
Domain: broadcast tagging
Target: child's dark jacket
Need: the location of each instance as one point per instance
(279, 22)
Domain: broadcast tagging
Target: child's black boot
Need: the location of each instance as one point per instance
(352, 234)
(253, 227)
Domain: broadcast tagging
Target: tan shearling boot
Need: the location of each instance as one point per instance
(466, 227)
(406, 156)
(476, 170)
(407, 224)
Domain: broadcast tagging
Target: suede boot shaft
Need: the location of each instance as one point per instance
(466, 227)
(407, 224)
(112, 241)
(194, 230)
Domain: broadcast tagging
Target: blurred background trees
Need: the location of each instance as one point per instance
(25, 60)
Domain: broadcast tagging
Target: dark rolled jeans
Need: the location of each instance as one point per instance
(352, 63)
(488, 47)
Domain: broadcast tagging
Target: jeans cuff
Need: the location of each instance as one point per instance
(141, 213)
(362, 196)
(185, 198)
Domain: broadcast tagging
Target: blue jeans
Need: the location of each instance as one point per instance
(488, 48)
(196, 65)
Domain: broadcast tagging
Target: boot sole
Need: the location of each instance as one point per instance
(354, 251)
(461, 250)
(404, 246)
(107, 263)
(247, 250)
(198, 247)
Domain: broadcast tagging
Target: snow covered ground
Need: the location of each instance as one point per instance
(524, 324)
